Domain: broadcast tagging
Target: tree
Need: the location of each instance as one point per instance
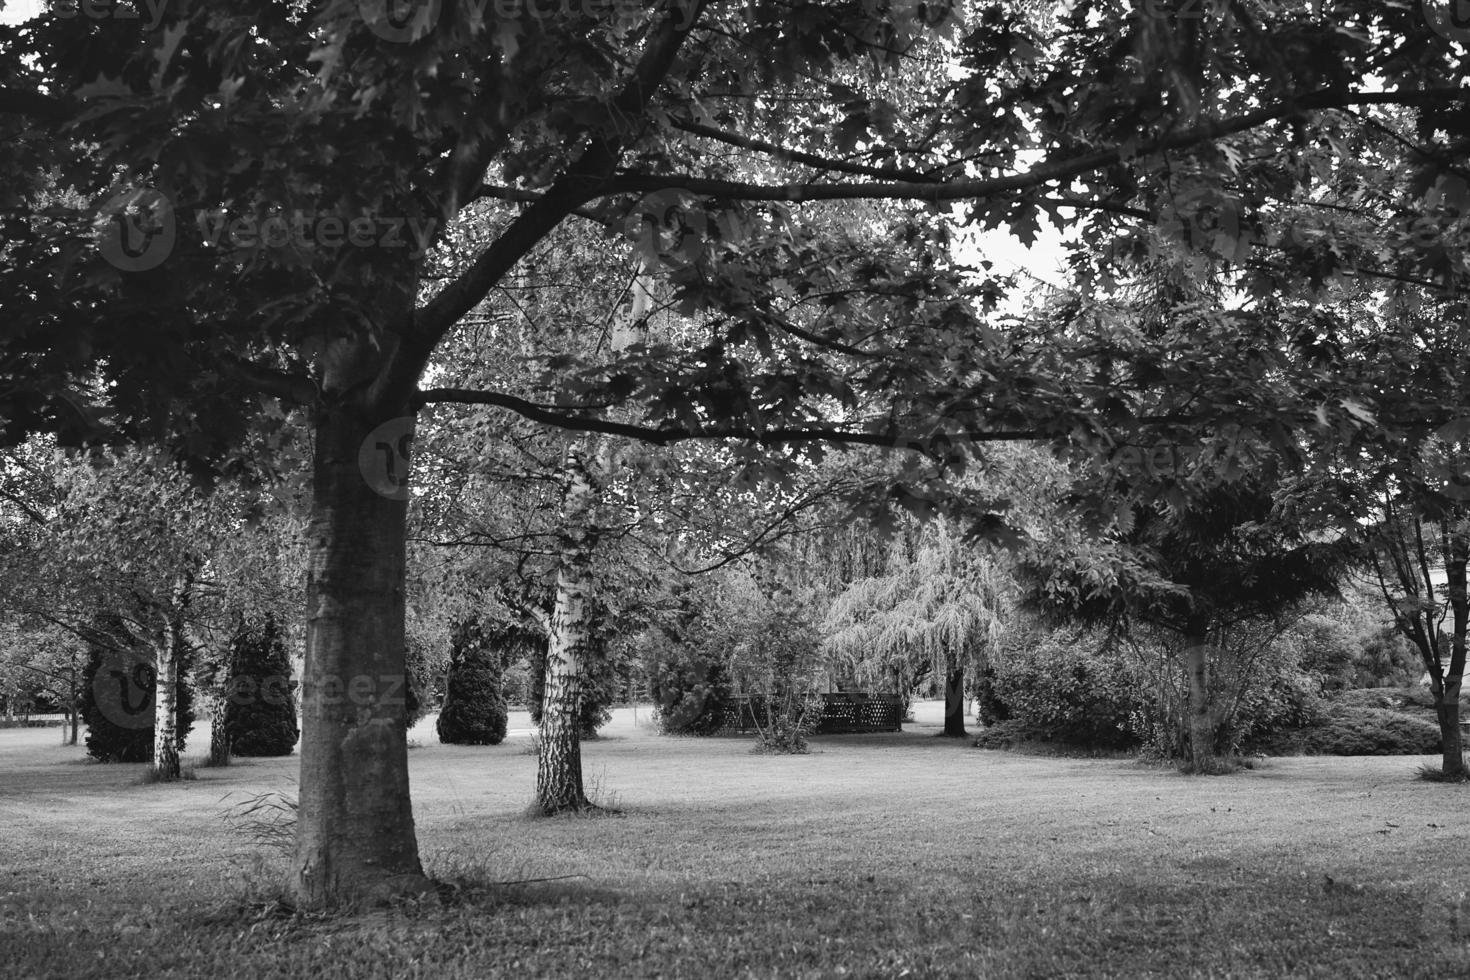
(260, 700)
(1233, 555)
(351, 117)
(474, 711)
(1408, 548)
(940, 604)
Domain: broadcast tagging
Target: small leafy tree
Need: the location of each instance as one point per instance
(260, 706)
(474, 710)
(781, 643)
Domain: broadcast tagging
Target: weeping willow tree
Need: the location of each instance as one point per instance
(938, 605)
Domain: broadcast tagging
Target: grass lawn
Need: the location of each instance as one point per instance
(882, 856)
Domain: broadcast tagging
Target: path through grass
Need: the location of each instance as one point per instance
(875, 856)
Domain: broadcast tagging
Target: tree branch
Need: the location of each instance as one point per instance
(578, 185)
(293, 388)
(573, 421)
(797, 156)
(1039, 175)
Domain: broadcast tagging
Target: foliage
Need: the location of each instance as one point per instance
(1348, 648)
(1065, 687)
(938, 605)
(474, 710)
(690, 685)
(260, 699)
(1348, 730)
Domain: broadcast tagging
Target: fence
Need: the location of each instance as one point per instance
(841, 714)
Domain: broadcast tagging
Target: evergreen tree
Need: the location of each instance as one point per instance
(260, 708)
(474, 711)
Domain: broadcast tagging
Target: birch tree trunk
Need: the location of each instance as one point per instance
(559, 785)
(220, 752)
(166, 685)
(559, 755)
(355, 838)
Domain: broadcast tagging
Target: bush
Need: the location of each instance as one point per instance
(1063, 691)
(474, 710)
(260, 701)
(690, 693)
(1351, 730)
(783, 724)
(117, 707)
(1010, 732)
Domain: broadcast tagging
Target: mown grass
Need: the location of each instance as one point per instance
(875, 856)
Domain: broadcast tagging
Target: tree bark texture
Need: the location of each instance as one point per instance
(1201, 719)
(166, 686)
(1456, 549)
(355, 840)
(954, 702)
(220, 752)
(559, 785)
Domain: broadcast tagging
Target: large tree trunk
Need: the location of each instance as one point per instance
(1447, 701)
(559, 758)
(1201, 719)
(355, 835)
(954, 702)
